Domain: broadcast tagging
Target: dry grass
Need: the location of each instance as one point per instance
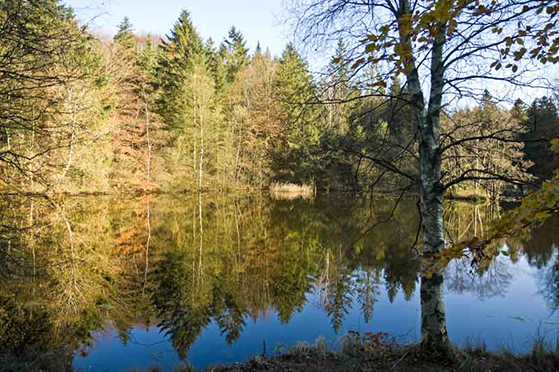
(468, 194)
(377, 353)
(290, 191)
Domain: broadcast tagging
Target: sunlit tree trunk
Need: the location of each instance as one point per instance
(148, 138)
(434, 337)
(201, 148)
(146, 269)
(200, 248)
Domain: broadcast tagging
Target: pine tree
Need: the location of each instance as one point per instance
(174, 65)
(235, 53)
(258, 51)
(295, 92)
(217, 67)
(541, 124)
(125, 34)
(339, 90)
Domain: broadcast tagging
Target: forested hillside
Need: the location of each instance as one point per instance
(81, 113)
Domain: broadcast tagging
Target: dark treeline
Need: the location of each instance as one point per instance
(80, 113)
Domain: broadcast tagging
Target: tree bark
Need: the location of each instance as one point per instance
(148, 139)
(434, 337)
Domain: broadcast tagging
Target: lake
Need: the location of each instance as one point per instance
(105, 284)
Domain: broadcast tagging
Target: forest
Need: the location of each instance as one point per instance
(410, 108)
(136, 113)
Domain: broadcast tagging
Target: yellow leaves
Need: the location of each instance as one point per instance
(452, 26)
(381, 84)
(513, 67)
(442, 8)
(372, 47)
(552, 10)
(405, 25)
(533, 211)
(399, 49)
(519, 54)
(432, 31)
(555, 145)
(541, 216)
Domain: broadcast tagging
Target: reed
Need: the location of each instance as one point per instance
(290, 191)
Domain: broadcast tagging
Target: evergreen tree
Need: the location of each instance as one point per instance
(338, 90)
(519, 110)
(217, 67)
(174, 65)
(125, 34)
(541, 124)
(258, 51)
(235, 53)
(301, 132)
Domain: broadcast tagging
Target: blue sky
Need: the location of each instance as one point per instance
(258, 20)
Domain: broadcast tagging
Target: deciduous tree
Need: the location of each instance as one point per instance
(444, 49)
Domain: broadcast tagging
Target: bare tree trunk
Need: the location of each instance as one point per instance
(201, 147)
(72, 139)
(434, 337)
(146, 268)
(200, 248)
(148, 139)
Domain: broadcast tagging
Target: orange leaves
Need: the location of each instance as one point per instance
(540, 35)
(358, 63)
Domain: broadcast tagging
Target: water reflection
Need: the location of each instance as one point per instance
(78, 271)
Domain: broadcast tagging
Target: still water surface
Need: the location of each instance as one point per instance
(157, 281)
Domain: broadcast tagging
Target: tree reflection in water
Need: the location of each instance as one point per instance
(73, 267)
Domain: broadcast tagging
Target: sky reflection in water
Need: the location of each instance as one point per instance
(265, 271)
(512, 320)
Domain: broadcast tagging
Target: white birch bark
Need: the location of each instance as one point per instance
(434, 335)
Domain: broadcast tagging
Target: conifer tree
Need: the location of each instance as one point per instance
(125, 34)
(235, 53)
(173, 67)
(295, 92)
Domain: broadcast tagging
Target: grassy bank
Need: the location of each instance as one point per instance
(374, 352)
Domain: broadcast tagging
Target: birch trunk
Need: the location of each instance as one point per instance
(201, 148)
(148, 139)
(434, 337)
